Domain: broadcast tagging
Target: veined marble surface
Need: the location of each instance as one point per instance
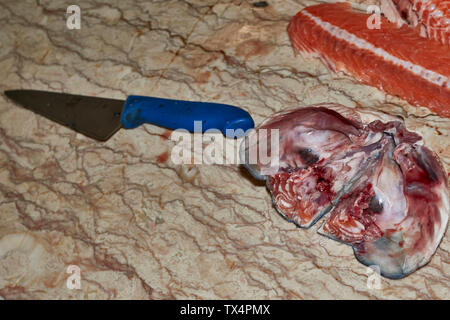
(137, 225)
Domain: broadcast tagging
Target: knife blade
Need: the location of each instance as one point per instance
(101, 118)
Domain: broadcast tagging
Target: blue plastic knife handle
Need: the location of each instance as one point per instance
(179, 114)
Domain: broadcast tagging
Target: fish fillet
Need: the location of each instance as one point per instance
(396, 60)
(432, 17)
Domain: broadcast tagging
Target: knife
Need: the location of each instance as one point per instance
(100, 118)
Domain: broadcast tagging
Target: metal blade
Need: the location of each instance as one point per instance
(97, 118)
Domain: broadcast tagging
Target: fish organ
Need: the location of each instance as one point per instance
(383, 192)
(396, 60)
(432, 17)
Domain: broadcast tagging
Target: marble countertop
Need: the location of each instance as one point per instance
(121, 212)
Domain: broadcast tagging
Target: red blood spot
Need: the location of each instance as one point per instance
(166, 134)
(163, 157)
